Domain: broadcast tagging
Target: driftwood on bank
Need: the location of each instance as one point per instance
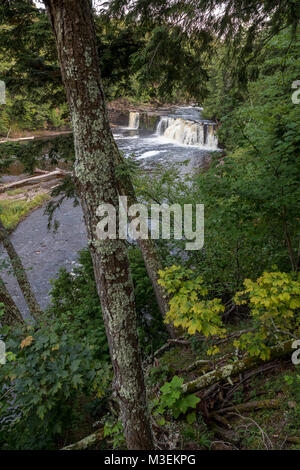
(33, 180)
(234, 369)
(86, 442)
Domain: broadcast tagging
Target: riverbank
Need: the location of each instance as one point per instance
(44, 252)
(18, 204)
(117, 108)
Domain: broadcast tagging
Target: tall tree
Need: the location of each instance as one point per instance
(73, 26)
(12, 314)
(20, 274)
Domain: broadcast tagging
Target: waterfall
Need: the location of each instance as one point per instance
(163, 124)
(212, 139)
(188, 132)
(134, 120)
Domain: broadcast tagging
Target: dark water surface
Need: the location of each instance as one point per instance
(44, 252)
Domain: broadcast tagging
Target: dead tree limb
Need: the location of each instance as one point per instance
(34, 180)
(170, 344)
(250, 406)
(86, 442)
(234, 369)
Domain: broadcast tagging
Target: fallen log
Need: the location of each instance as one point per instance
(86, 442)
(289, 439)
(33, 180)
(18, 139)
(38, 171)
(201, 363)
(250, 406)
(235, 368)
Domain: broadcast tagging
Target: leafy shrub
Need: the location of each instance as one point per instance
(54, 366)
(274, 300)
(114, 429)
(64, 362)
(172, 401)
(189, 309)
(58, 364)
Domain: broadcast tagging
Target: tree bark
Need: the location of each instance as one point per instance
(96, 184)
(20, 274)
(12, 314)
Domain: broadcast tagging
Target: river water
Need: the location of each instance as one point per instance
(177, 135)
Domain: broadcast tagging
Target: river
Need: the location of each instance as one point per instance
(176, 135)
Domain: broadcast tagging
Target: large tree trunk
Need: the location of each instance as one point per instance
(20, 274)
(12, 314)
(96, 183)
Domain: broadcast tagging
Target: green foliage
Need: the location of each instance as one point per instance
(58, 364)
(75, 300)
(113, 429)
(174, 403)
(53, 368)
(12, 211)
(63, 362)
(252, 196)
(274, 301)
(171, 65)
(197, 433)
(259, 16)
(159, 374)
(188, 307)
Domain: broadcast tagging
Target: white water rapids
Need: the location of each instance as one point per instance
(167, 136)
(185, 126)
(134, 120)
(188, 132)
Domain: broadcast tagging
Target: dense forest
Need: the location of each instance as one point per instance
(132, 342)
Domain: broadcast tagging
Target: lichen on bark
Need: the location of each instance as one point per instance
(95, 158)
